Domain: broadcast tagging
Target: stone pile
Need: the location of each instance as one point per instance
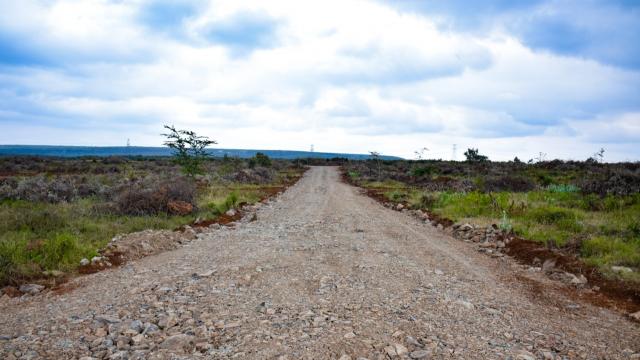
(490, 240)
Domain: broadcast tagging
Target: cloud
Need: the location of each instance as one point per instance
(503, 76)
(243, 32)
(605, 31)
(608, 128)
(169, 16)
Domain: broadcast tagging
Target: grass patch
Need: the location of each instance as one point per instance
(38, 236)
(607, 228)
(35, 237)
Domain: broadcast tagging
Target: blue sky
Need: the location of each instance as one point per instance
(513, 78)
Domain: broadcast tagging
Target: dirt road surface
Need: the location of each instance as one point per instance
(323, 273)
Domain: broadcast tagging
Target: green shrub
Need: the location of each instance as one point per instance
(562, 188)
(11, 254)
(24, 216)
(229, 202)
(397, 195)
(505, 223)
(426, 200)
(634, 228)
(612, 203)
(59, 251)
(592, 202)
(262, 160)
(552, 215)
(544, 179)
(611, 251)
(422, 171)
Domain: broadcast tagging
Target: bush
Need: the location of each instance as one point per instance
(39, 189)
(508, 183)
(27, 217)
(153, 196)
(426, 200)
(611, 251)
(544, 179)
(262, 160)
(562, 188)
(552, 215)
(397, 195)
(422, 171)
(473, 155)
(63, 249)
(258, 175)
(619, 182)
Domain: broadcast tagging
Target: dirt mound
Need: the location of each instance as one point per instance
(147, 242)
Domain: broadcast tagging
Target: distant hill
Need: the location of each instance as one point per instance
(77, 151)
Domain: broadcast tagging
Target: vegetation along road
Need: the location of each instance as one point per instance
(321, 272)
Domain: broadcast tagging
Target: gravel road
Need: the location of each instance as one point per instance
(323, 273)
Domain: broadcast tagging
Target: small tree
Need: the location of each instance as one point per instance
(597, 157)
(262, 159)
(189, 149)
(420, 153)
(473, 155)
(376, 158)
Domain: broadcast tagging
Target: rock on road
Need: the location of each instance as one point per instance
(323, 273)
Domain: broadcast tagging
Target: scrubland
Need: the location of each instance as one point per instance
(588, 209)
(56, 211)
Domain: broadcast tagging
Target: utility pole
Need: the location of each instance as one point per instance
(128, 143)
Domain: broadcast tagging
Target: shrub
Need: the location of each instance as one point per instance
(39, 189)
(422, 171)
(619, 182)
(63, 249)
(611, 251)
(473, 155)
(258, 175)
(152, 196)
(552, 215)
(229, 202)
(397, 195)
(353, 174)
(634, 228)
(508, 183)
(562, 188)
(26, 217)
(544, 179)
(262, 160)
(505, 223)
(426, 200)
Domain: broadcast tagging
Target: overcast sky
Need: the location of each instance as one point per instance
(512, 78)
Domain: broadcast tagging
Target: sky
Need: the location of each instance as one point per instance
(528, 78)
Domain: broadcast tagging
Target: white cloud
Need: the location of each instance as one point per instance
(342, 74)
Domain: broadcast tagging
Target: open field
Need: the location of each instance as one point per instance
(56, 211)
(584, 208)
